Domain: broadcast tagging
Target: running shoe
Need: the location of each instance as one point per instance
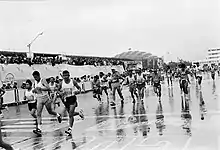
(37, 131)
(112, 104)
(59, 118)
(69, 131)
(202, 117)
(144, 133)
(81, 114)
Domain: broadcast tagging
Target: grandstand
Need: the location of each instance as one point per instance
(16, 66)
(148, 60)
(10, 57)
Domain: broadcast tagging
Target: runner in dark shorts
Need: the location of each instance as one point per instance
(96, 86)
(29, 96)
(68, 89)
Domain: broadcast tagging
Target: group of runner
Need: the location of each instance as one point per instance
(135, 80)
(40, 93)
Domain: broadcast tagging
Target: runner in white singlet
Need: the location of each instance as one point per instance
(199, 75)
(104, 84)
(53, 92)
(140, 84)
(41, 89)
(68, 89)
(32, 103)
(131, 82)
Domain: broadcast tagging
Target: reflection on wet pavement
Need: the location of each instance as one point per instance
(177, 122)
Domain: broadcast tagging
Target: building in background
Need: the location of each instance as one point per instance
(147, 60)
(212, 58)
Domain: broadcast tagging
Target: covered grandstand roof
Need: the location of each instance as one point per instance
(135, 55)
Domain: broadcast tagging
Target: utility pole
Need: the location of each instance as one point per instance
(29, 45)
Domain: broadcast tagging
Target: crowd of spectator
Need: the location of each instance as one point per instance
(21, 58)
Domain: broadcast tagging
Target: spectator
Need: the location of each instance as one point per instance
(21, 58)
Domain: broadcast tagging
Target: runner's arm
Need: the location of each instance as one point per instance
(120, 77)
(76, 85)
(188, 72)
(125, 81)
(46, 86)
(2, 92)
(59, 89)
(25, 98)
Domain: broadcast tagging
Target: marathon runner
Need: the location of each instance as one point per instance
(212, 72)
(183, 78)
(41, 89)
(2, 92)
(32, 103)
(53, 93)
(68, 89)
(169, 76)
(140, 81)
(156, 81)
(104, 83)
(131, 82)
(199, 75)
(97, 88)
(116, 85)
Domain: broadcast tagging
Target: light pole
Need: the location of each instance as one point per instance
(29, 45)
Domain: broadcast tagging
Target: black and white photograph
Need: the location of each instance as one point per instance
(109, 74)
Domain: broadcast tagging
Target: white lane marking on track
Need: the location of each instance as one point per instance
(166, 145)
(51, 144)
(17, 130)
(95, 146)
(28, 145)
(187, 144)
(157, 145)
(112, 143)
(29, 128)
(31, 146)
(150, 114)
(93, 139)
(31, 122)
(125, 146)
(43, 143)
(14, 142)
(32, 119)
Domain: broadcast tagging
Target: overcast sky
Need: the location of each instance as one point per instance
(184, 28)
